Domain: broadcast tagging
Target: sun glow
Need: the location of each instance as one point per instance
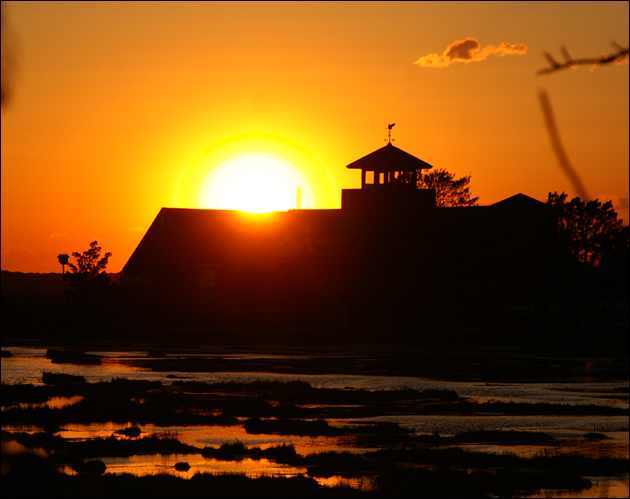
(256, 184)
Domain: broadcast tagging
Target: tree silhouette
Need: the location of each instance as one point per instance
(88, 274)
(589, 229)
(449, 191)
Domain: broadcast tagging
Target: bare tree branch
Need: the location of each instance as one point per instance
(619, 56)
(554, 136)
(8, 58)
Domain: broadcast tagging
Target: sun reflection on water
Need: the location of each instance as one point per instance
(151, 464)
(12, 447)
(363, 483)
(51, 403)
(567, 429)
(211, 436)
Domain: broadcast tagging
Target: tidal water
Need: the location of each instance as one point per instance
(27, 364)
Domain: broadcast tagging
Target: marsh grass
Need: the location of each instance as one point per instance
(510, 437)
(12, 394)
(68, 356)
(92, 466)
(266, 405)
(60, 379)
(471, 364)
(594, 436)
(300, 392)
(559, 463)
(168, 485)
(505, 477)
(132, 431)
(404, 464)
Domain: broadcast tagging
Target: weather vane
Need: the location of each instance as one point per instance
(389, 133)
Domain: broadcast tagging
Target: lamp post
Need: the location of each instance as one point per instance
(63, 260)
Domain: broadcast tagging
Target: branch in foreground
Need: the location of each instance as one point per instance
(619, 56)
(554, 136)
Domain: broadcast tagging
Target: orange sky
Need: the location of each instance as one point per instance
(118, 109)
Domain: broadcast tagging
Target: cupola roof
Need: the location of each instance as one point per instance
(389, 158)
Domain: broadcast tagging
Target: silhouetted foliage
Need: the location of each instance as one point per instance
(589, 229)
(449, 191)
(88, 274)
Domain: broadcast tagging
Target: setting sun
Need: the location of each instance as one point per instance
(256, 184)
(150, 118)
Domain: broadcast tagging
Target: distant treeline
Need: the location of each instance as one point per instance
(21, 283)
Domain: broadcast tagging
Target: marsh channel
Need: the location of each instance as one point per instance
(338, 421)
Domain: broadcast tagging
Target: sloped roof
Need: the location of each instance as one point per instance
(389, 158)
(198, 237)
(518, 205)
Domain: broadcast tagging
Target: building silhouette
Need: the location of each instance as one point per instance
(388, 257)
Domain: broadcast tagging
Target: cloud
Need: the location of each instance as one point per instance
(17, 249)
(135, 229)
(469, 50)
(58, 234)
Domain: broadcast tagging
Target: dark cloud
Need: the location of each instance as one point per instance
(469, 50)
(462, 49)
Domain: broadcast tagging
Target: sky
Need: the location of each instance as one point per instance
(117, 109)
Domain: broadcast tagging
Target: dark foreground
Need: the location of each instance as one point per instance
(392, 460)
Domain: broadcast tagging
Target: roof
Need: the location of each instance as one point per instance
(389, 158)
(204, 236)
(518, 205)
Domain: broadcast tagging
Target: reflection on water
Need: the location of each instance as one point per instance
(212, 436)
(51, 403)
(556, 426)
(364, 483)
(151, 464)
(606, 448)
(61, 402)
(12, 447)
(26, 366)
(90, 431)
(602, 487)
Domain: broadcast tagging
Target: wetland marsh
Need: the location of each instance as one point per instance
(316, 422)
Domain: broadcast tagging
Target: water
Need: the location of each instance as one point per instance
(27, 365)
(602, 487)
(152, 464)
